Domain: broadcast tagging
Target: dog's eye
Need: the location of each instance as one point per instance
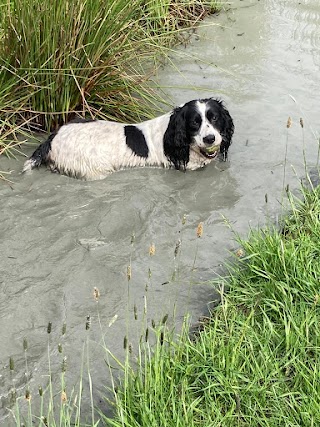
(212, 117)
(195, 124)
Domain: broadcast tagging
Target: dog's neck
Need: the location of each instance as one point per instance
(153, 129)
(153, 132)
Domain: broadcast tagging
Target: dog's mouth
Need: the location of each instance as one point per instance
(210, 152)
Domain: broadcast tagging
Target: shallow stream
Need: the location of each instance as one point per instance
(60, 237)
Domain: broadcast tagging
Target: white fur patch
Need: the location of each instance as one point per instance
(95, 149)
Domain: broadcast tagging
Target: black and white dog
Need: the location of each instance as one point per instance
(189, 137)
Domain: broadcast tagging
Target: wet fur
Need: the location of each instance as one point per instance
(93, 149)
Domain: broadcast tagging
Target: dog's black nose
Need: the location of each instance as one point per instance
(209, 139)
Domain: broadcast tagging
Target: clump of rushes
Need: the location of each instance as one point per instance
(84, 57)
(256, 361)
(171, 16)
(84, 64)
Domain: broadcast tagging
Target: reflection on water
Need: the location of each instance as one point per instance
(59, 237)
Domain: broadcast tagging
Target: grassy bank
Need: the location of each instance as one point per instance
(59, 59)
(257, 360)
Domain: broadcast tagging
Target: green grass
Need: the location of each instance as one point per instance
(59, 59)
(257, 360)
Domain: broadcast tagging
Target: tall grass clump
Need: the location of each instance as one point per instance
(62, 58)
(169, 17)
(69, 57)
(256, 361)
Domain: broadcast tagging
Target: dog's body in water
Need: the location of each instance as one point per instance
(188, 137)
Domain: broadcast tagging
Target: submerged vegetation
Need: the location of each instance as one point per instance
(62, 58)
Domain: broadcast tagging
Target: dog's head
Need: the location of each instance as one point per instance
(204, 126)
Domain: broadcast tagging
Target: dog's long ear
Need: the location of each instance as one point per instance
(176, 141)
(227, 132)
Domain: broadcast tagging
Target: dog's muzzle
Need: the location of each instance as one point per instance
(211, 151)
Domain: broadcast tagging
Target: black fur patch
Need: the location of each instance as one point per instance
(177, 138)
(136, 141)
(40, 156)
(81, 120)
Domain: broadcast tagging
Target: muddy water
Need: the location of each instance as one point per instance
(60, 238)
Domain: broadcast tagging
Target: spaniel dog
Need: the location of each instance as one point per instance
(189, 137)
